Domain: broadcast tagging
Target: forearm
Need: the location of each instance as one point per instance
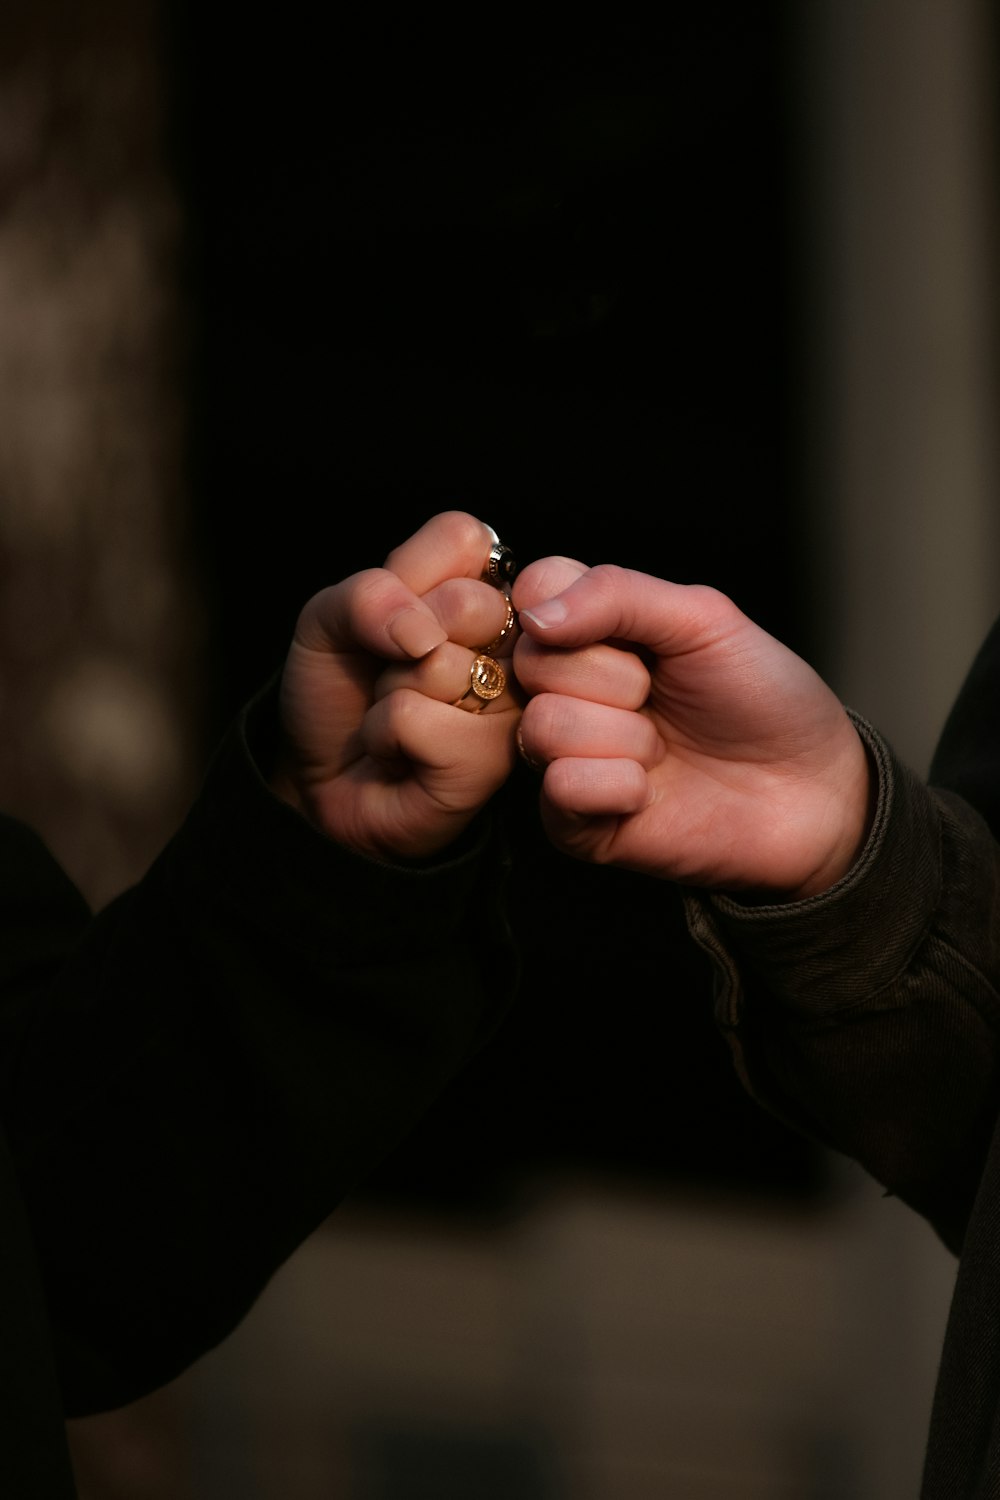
(221, 1055)
(869, 1017)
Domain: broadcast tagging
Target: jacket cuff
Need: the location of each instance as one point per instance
(272, 861)
(826, 954)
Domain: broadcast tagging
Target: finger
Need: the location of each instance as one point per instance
(474, 614)
(544, 579)
(553, 728)
(600, 674)
(444, 675)
(589, 838)
(580, 788)
(609, 601)
(373, 611)
(450, 545)
(471, 753)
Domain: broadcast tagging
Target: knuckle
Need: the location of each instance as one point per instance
(450, 603)
(615, 673)
(559, 784)
(476, 610)
(714, 610)
(529, 662)
(551, 720)
(607, 579)
(462, 532)
(367, 591)
(533, 720)
(401, 708)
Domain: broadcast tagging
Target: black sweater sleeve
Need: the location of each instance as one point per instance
(193, 1078)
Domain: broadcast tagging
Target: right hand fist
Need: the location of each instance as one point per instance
(680, 739)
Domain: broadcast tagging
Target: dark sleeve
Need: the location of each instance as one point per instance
(967, 759)
(869, 1017)
(192, 1079)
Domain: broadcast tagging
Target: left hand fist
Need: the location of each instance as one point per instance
(374, 751)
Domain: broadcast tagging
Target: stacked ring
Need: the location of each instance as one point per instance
(507, 628)
(500, 566)
(529, 760)
(487, 680)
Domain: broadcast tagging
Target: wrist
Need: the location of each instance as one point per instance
(432, 841)
(856, 798)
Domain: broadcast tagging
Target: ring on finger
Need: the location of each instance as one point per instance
(509, 625)
(526, 756)
(500, 565)
(487, 681)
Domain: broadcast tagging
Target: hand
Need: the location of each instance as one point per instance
(680, 739)
(373, 752)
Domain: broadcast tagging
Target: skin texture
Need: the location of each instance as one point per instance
(673, 735)
(679, 739)
(373, 751)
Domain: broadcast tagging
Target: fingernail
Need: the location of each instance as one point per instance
(415, 633)
(552, 612)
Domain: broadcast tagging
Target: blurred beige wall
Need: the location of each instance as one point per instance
(899, 106)
(100, 617)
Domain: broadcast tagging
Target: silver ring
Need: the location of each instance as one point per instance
(487, 680)
(500, 566)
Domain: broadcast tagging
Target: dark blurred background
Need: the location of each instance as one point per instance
(540, 272)
(710, 293)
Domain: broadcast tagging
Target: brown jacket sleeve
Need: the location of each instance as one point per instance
(869, 1017)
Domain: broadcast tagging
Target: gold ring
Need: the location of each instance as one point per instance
(487, 680)
(508, 626)
(529, 760)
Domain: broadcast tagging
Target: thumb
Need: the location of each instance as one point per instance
(544, 579)
(608, 602)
